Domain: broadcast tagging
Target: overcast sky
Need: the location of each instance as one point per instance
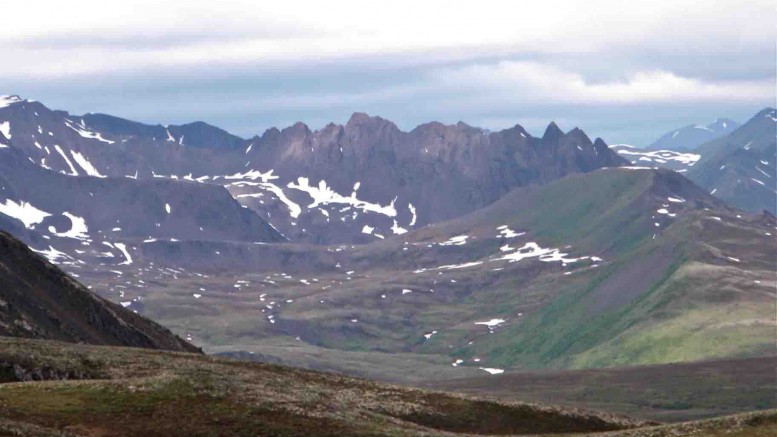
(623, 71)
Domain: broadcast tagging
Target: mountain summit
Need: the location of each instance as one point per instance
(690, 137)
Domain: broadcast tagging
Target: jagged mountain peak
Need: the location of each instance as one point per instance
(552, 132)
(272, 132)
(358, 118)
(578, 134)
(361, 121)
(298, 131)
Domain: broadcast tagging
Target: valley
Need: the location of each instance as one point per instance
(520, 268)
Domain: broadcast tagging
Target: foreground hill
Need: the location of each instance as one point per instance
(125, 392)
(38, 300)
(140, 392)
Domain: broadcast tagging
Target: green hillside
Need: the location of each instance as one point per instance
(662, 272)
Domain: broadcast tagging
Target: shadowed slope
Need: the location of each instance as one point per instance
(38, 300)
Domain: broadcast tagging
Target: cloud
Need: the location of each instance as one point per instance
(88, 37)
(510, 82)
(246, 65)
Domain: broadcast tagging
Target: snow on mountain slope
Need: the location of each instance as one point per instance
(670, 159)
(741, 167)
(319, 186)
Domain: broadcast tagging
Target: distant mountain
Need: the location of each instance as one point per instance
(366, 180)
(197, 134)
(38, 300)
(105, 221)
(351, 183)
(740, 167)
(676, 150)
(689, 137)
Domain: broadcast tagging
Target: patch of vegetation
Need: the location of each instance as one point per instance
(159, 393)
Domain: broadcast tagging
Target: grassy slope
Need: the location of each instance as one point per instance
(682, 312)
(143, 392)
(694, 310)
(634, 308)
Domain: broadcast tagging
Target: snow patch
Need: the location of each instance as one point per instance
(294, 209)
(460, 266)
(458, 240)
(506, 232)
(78, 229)
(323, 195)
(123, 249)
(397, 230)
(661, 155)
(53, 255)
(5, 128)
(492, 323)
(24, 212)
(533, 250)
(81, 130)
(6, 101)
(73, 171)
(86, 165)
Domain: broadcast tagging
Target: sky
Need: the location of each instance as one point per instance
(624, 71)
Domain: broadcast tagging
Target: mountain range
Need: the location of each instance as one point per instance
(351, 183)
(364, 239)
